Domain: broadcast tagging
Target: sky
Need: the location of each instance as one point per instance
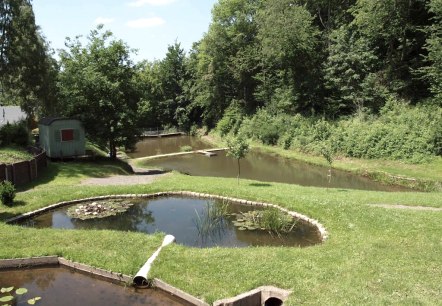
(146, 25)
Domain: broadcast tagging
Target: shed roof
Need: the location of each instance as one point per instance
(49, 120)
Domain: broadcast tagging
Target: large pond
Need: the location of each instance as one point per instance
(266, 167)
(188, 219)
(60, 286)
(164, 145)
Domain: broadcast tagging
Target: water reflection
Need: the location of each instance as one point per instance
(177, 216)
(165, 145)
(59, 286)
(269, 168)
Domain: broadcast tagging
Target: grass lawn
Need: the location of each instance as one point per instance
(373, 255)
(10, 155)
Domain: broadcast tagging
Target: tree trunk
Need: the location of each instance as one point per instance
(239, 170)
(112, 149)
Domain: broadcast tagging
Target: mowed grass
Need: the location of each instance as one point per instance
(373, 255)
(10, 155)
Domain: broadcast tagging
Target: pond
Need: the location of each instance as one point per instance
(266, 167)
(164, 145)
(187, 220)
(60, 286)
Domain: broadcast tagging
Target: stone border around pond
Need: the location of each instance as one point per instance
(321, 229)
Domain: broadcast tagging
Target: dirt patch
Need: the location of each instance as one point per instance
(397, 206)
(123, 180)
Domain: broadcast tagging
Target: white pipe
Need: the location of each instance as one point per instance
(140, 279)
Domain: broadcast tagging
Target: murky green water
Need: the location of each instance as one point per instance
(60, 286)
(180, 216)
(267, 168)
(165, 145)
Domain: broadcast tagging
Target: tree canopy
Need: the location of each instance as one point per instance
(97, 85)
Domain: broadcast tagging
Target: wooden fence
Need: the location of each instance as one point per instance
(26, 171)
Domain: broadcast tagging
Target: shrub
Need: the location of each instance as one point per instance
(7, 192)
(14, 134)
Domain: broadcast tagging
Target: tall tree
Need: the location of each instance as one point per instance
(27, 69)
(97, 85)
(433, 72)
(289, 42)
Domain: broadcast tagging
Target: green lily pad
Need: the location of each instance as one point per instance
(21, 291)
(8, 289)
(34, 300)
(6, 298)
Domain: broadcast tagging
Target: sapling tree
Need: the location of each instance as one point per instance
(328, 153)
(237, 148)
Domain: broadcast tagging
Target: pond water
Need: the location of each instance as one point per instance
(183, 218)
(60, 286)
(266, 167)
(165, 145)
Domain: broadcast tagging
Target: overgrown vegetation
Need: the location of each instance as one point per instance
(15, 134)
(399, 132)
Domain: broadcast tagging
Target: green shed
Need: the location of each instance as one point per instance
(61, 137)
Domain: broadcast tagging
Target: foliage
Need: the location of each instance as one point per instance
(231, 120)
(27, 69)
(400, 132)
(212, 221)
(186, 149)
(237, 148)
(14, 134)
(7, 193)
(10, 155)
(272, 220)
(18, 292)
(97, 85)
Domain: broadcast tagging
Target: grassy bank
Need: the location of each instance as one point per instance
(10, 155)
(373, 255)
(425, 176)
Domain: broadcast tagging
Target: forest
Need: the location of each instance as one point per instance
(356, 78)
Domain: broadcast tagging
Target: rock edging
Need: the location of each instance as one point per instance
(321, 229)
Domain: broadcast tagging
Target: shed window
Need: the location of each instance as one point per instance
(67, 135)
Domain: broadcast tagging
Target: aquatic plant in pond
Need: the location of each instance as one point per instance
(7, 296)
(271, 220)
(212, 221)
(99, 209)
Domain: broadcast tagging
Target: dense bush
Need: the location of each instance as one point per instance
(7, 192)
(14, 134)
(398, 132)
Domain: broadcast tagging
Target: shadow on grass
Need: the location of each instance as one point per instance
(100, 167)
(6, 216)
(260, 185)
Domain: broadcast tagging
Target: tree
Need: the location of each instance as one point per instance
(97, 85)
(237, 148)
(27, 69)
(433, 72)
(289, 41)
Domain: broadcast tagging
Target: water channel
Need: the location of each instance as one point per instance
(60, 286)
(151, 146)
(182, 217)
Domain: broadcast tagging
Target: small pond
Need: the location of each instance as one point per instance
(266, 167)
(164, 145)
(60, 286)
(187, 220)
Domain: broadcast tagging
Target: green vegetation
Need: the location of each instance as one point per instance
(272, 220)
(7, 193)
(10, 155)
(237, 147)
(14, 135)
(8, 297)
(374, 255)
(186, 149)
